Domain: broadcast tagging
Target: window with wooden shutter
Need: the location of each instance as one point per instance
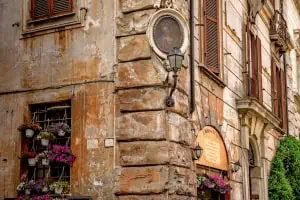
(211, 35)
(254, 66)
(279, 94)
(48, 8)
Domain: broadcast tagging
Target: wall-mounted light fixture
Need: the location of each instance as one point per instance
(236, 166)
(197, 152)
(175, 58)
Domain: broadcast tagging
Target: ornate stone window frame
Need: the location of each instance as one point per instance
(71, 20)
(176, 15)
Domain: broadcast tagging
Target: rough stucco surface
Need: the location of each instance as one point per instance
(152, 158)
(53, 61)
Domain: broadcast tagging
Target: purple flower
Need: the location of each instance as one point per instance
(61, 154)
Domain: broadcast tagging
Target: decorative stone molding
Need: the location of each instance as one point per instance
(182, 23)
(297, 40)
(164, 4)
(255, 7)
(251, 107)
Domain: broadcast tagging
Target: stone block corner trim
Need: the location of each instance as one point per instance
(142, 180)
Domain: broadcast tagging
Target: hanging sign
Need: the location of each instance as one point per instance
(214, 150)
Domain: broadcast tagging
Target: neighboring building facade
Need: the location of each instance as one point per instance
(101, 66)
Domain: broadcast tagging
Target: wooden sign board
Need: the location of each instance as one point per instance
(214, 150)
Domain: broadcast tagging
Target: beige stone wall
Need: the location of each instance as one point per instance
(117, 87)
(293, 83)
(153, 141)
(74, 64)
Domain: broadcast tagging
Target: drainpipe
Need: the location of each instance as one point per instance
(192, 57)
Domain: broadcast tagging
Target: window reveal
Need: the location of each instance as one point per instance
(48, 8)
(47, 115)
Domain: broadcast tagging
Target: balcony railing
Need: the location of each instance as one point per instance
(279, 32)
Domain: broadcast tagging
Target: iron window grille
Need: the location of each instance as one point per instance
(47, 114)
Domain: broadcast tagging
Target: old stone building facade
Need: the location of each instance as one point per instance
(102, 57)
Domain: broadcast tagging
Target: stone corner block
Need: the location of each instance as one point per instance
(182, 182)
(138, 73)
(180, 155)
(133, 48)
(142, 99)
(143, 153)
(180, 129)
(142, 180)
(141, 126)
(133, 23)
(181, 103)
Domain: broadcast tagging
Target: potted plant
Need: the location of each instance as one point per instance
(45, 137)
(60, 129)
(31, 158)
(215, 183)
(61, 154)
(60, 187)
(41, 197)
(29, 129)
(22, 186)
(44, 158)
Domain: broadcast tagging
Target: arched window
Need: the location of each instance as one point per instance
(254, 181)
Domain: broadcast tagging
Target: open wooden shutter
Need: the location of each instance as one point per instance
(259, 70)
(40, 8)
(248, 45)
(211, 35)
(274, 87)
(61, 6)
(284, 100)
(254, 74)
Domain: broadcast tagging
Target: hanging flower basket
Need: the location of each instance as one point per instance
(45, 189)
(29, 133)
(45, 142)
(61, 132)
(32, 162)
(60, 187)
(29, 129)
(61, 154)
(45, 162)
(45, 137)
(60, 129)
(215, 183)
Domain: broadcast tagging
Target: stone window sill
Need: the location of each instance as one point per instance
(212, 75)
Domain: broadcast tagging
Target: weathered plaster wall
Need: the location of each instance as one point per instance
(58, 66)
(64, 57)
(293, 20)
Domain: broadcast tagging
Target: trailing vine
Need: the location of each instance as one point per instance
(284, 180)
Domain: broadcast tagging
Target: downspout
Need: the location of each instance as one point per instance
(192, 57)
